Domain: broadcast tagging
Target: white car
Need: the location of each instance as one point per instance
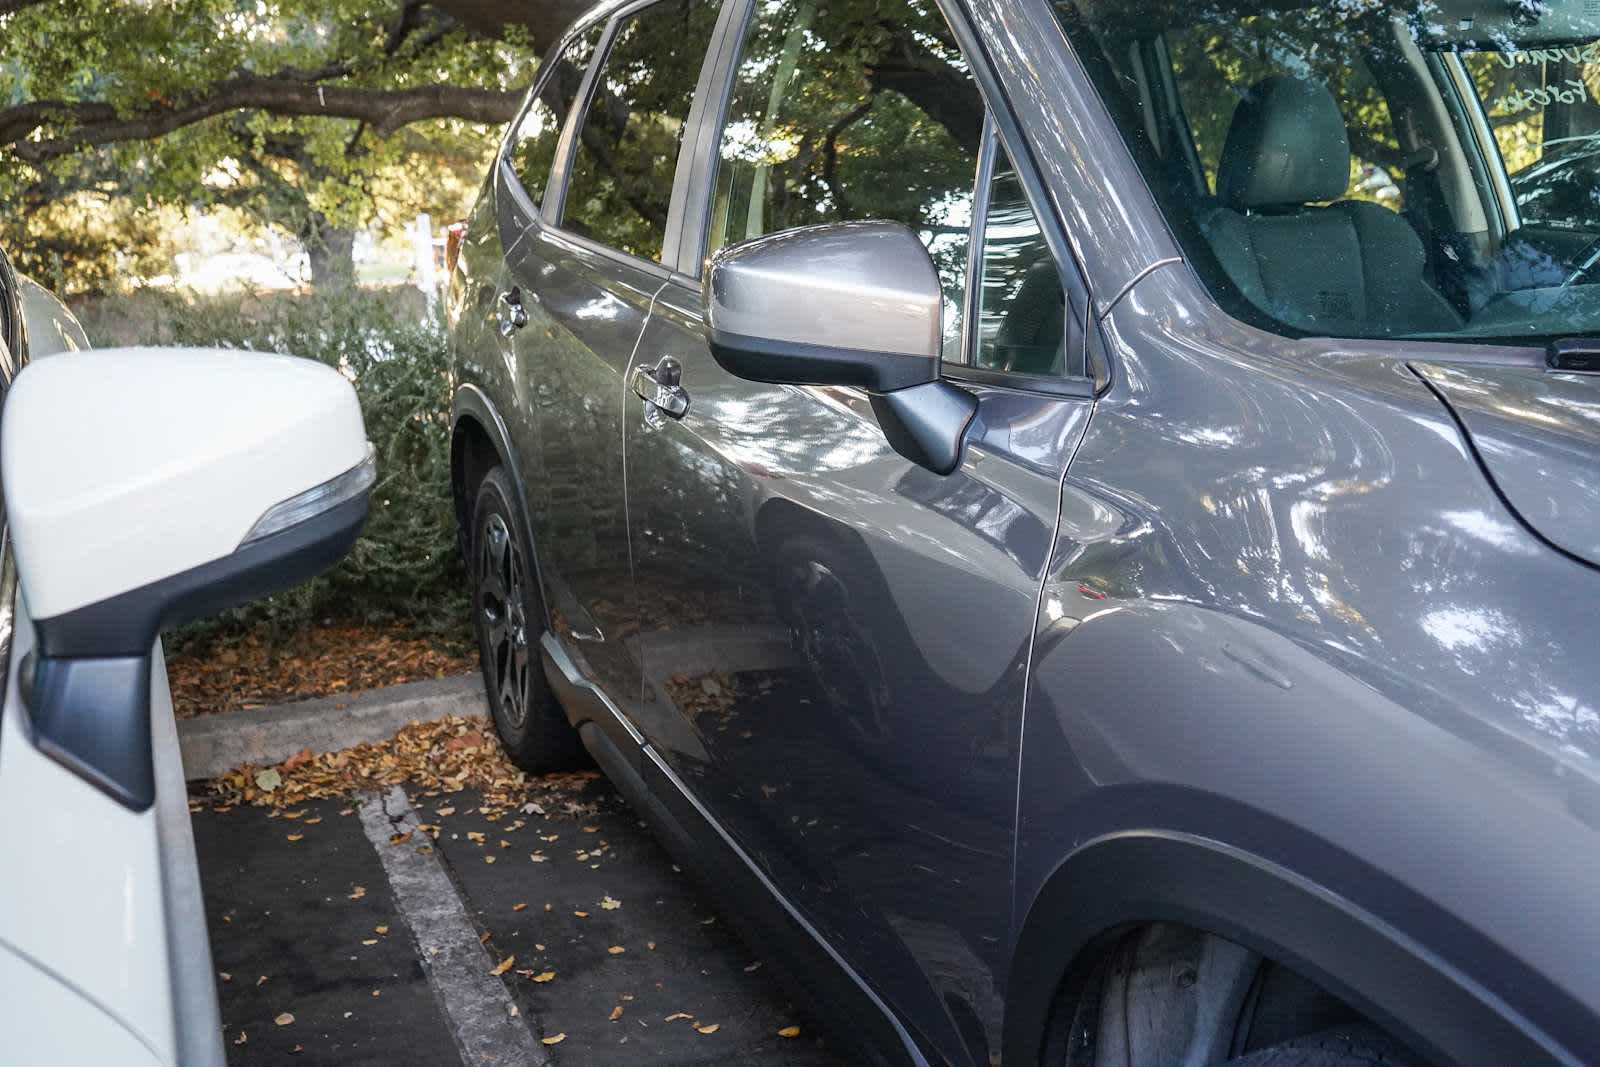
(142, 487)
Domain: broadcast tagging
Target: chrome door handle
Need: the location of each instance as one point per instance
(513, 316)
(660, 390)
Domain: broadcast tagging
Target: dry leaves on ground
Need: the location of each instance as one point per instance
(445, 756)
(252, 670)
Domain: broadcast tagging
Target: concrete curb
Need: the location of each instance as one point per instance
(214, 744)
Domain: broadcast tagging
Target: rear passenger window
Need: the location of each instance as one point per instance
(848, 109)
(533, 144)
(627, 150)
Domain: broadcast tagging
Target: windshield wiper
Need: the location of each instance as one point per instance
(1574, 354)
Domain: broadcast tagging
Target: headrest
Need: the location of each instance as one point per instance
(1286, 146)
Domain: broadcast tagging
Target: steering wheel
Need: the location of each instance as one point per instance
(1587, 260)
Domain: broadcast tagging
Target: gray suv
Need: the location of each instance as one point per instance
(1080, 520)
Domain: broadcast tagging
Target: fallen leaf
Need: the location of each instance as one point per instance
(553, 1039)
(242, 1038)
(296, 837)
(305, 755)
(519, 907)
(400, 839)
(616, 1013)
(675, 1016)
(285, 1019)
(610, 904)
(370, 941)
(591, 829)
(581, 914)
(503, 966)
(380, 929)
(545, 976)
(261, 981)
(789, 1031)
(616, 950)
(445, 812)
(268, 780)
(313, 820)
(488, 859)
(358, 892)
(226, 977)
(708, 1028)
(651, 945)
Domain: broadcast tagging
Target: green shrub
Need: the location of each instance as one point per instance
(405, 565)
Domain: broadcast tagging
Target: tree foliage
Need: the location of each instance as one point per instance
(312, 115)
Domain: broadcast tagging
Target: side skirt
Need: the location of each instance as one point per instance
(855, 1016)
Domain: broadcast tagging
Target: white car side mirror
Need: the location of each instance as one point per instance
(147, 487)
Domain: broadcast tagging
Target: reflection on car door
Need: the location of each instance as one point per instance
(833, 639)
(585, 287)
(834, 642)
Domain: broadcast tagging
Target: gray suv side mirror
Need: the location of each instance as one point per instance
(854, 303)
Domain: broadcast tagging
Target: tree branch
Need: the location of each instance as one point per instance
(92, 124)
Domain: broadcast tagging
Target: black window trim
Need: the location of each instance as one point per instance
(698, 196)
(549, 218)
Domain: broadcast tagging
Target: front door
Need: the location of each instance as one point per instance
(834, 640)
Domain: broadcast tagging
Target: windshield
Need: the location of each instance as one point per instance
(1368, 169)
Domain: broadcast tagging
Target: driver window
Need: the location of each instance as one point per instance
(1022, 308)
(840, 114)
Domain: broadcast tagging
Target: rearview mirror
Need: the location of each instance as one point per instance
(148, 487)
(854, 304)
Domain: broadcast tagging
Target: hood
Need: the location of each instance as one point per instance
(1538, 433)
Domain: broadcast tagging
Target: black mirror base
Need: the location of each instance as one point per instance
(86, 685)
(927, 424)
(92, 716)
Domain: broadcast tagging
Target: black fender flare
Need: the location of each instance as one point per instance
(471, 403)
(1114, 882)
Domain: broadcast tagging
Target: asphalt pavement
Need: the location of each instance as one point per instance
(607, 953)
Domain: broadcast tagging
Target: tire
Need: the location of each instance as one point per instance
(508, 617)
(1353, 1045)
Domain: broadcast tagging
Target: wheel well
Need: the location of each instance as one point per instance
(472, 455)
(1163, 992)
(1115, 884)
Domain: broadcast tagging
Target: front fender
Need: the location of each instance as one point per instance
(1229, 778)
(1121, 880)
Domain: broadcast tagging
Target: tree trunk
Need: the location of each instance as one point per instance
(331, 250)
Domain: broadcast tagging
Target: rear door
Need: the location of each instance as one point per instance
(581, 279)
(833, 639)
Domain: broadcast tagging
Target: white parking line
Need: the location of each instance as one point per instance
(475, 1003)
